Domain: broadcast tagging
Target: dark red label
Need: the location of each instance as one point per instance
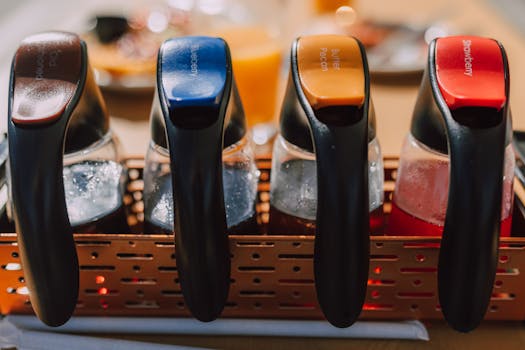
(47, 70)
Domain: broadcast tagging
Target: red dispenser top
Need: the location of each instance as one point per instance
(470, 72)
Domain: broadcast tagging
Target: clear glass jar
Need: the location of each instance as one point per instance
(240, 179)
(94, 185)
(421, 193)
(5, 223)
(293, 189)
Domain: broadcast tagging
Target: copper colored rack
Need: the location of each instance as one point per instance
(135, 274)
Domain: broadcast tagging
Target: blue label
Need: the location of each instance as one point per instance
(193, 71)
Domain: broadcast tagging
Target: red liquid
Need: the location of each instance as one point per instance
(285, 224)
(403, 224)
(422, 190)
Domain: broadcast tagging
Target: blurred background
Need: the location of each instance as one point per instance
(123, 37)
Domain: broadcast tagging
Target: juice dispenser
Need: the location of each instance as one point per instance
(65, 170)
(200, 178)
(327, 171)
(456, 170)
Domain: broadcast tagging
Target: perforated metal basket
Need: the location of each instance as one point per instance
(272, 276)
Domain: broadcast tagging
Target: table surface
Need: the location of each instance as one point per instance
(394, 99)
(499, 335)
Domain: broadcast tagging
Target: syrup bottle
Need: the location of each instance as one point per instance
(327, 171)
(456, 171)
(200, 178)
(65, 170)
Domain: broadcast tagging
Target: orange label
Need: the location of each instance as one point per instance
(331, 70)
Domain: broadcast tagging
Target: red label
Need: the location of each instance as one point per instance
(470, 72)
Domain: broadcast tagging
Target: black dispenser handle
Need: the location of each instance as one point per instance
(50, 78)
(469, 247)
(196, 93)
(340, 137)
(477, 135)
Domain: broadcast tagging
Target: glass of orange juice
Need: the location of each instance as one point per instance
(258, 33)
(256, 64)
(330, 6)
(256, 57)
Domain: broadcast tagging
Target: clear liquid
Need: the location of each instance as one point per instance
(94, 191)
(240, 194)
(285, 224)
(294, 196)
(6, 225)
(294, 188)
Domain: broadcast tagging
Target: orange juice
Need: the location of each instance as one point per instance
(324, 6)
(256, 58)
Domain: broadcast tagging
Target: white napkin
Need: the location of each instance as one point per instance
(235, 327)
(12, 336)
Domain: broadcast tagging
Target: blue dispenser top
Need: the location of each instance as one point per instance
(193, 71)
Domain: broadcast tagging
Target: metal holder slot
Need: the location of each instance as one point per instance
(272, 276)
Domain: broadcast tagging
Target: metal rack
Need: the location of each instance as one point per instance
(272, 276)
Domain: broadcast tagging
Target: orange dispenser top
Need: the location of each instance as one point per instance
(331, 70)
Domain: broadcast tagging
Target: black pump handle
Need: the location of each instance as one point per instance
(469, 246)
(37, 128)
(342, 242)
(195, 133)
